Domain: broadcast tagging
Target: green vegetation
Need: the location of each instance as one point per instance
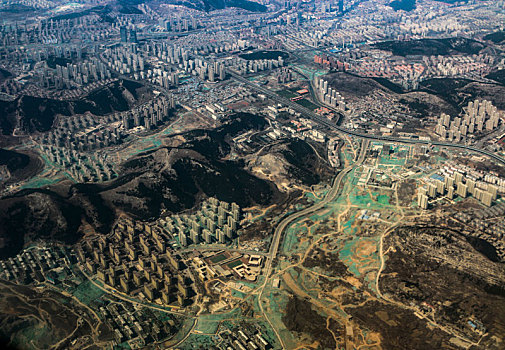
(290, 239)
(86, 292)
(217, 258)
(386, 160)
(207, 326)
(234, 264)
(383, 199)
(198, 341)
(286, 93)
(237, 294)
(38, 182)
(307, 104)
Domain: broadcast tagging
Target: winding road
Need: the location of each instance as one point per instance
(284, 224)
(330, 196)
(329, 124)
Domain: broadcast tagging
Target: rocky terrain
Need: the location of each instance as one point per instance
(420, 103)
(428, 47)
(439, 267)
(459, 92)
(211, 5)
(168, 179)
(16, 166)
(34, 114)
(288, 160)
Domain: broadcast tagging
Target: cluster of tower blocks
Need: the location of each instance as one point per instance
(216, 221)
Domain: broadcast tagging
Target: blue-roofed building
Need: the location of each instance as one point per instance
(437, 177)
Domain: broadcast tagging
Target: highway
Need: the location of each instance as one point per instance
(283, 225)
(329, 124)
(330, 196)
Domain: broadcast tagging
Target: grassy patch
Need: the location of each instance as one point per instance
(234, 264)
(218, 258)
(307, 104)
(286, 93)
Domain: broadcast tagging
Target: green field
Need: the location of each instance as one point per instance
(207, 326)
(307, 104)
(218, 258)
(38, 182)
(87, 292)
(237, 294)
(286, 93)
(234, 264)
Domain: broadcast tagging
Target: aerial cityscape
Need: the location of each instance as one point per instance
(252, 174)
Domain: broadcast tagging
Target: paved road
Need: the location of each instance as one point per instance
(329, 124)
(127, 298)
(232, 250)
(330, 196)
(274, 247)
